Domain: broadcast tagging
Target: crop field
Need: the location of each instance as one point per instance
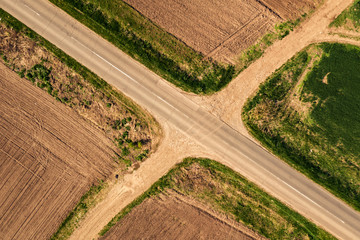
(203, 198)
(199, 46)
(289, 9)
(121, 120)
(46, 165)
(220, 29)
(59, 159)
(308, 113)
(173, 216)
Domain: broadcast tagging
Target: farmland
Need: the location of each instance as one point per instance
(45, 163)
(97, 133)
(201, 190)
(220, 29)
(173, 216)
(307, 112)
(121, 120)
(202, 57)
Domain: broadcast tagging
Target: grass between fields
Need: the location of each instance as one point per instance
(350, 18)
(160, 51)
(228, 192)
(308, 113)
(133, 131)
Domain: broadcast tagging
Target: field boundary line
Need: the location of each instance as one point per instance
(22, 165)
(231, 37)
(270, 9)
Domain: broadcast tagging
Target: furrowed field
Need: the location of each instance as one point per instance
(202, 198)
(63, 133)
(45, 163)
(189, 44)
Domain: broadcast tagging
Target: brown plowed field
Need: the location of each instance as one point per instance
(290, 9)
(174, 216)
(220, 29)
(49, 157)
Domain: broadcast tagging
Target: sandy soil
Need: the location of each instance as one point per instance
(220, 29)
(174, 148)
(173, 216)
(228, 104)
(49, 158)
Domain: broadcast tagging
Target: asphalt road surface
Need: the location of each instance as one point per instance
(163, 100)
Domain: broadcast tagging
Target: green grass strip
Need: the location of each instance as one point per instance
(331, 127)
(88, 75)
(296, 227)
(88, 199)
(143, 51)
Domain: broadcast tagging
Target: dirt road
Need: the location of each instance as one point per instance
(228, 103)
(167, 104)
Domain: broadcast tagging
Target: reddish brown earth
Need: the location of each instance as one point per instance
(220, 29)
(49, 157)
(173, 216)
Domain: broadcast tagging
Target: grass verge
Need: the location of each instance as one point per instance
(228, 192)
(307, 113)
(49, 79)
(87, 201)
(161, 52)
(196, 75)
(350, 18)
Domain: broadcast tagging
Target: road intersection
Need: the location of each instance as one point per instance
(165, 101)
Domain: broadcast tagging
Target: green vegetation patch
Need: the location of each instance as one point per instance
(80, 89)
(134, 34)
(88, 200)
(308, 113)
(350, 18)
(77, 87)
(227, 191)
(160, 51)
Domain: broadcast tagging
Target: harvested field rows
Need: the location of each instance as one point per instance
(49, 158)
(177, 217)
(220, 29)
(290, 9)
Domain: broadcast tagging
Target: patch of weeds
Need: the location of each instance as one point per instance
(71, 222)
(323, 146)
(239, 200)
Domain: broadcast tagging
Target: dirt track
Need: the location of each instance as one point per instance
(226, 104)
(46, 165)
(173, 216)
(220, 29)
(174, 148)
(135, 184)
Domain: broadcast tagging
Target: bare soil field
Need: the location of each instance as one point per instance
(174, 216)
(290, 9)
(49, 158)
(132, 129)
(220, 29)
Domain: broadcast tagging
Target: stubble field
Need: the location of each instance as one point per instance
(46, 165)
(220, 29)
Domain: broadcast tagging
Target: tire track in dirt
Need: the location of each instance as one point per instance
(226, 104)
(173, 149)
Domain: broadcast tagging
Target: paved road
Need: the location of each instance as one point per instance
(162, 100)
